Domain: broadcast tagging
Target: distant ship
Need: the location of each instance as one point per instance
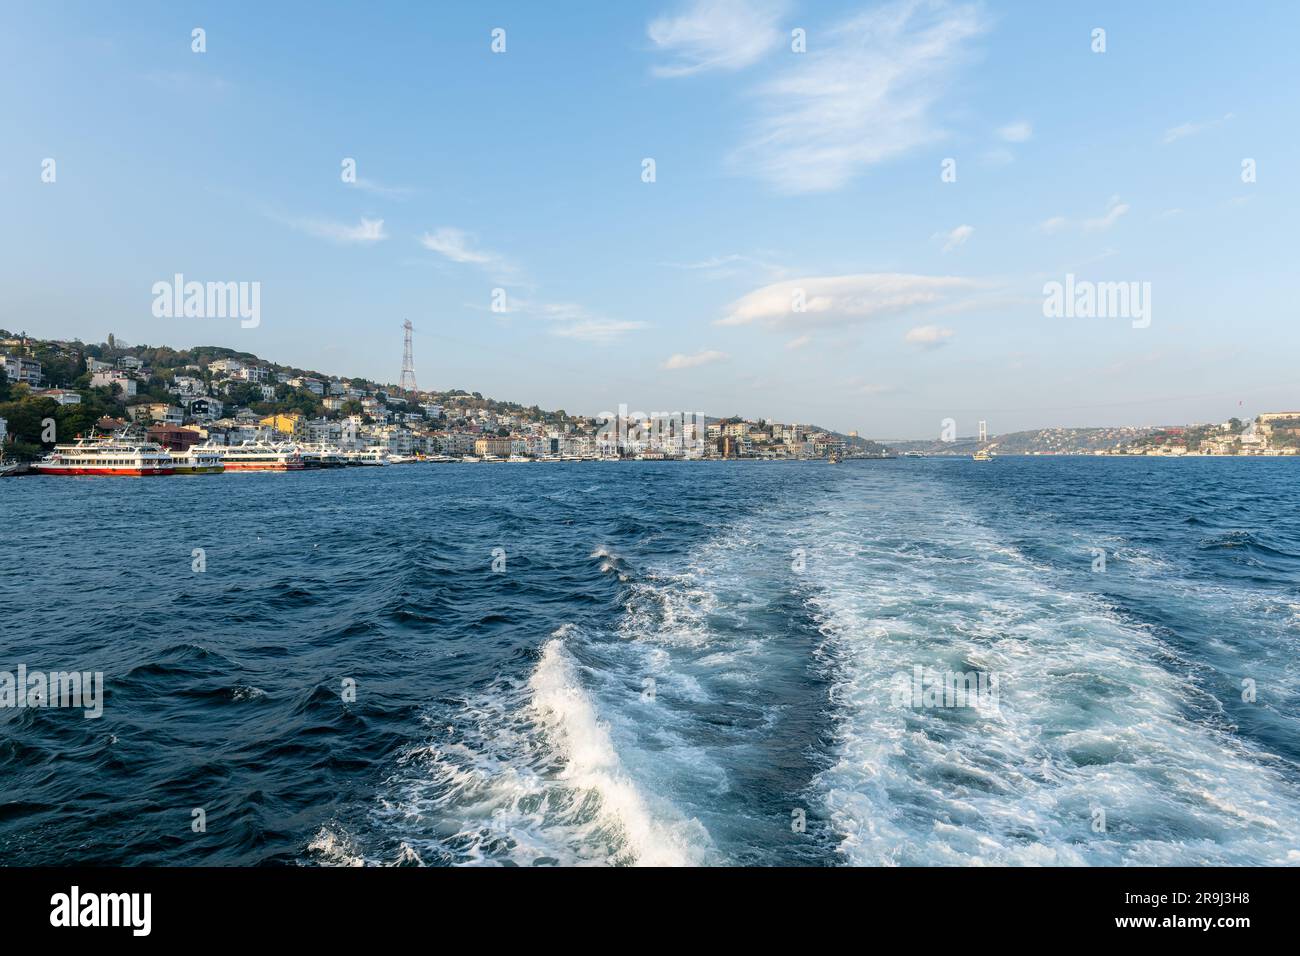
(913, 454)
(982, 455)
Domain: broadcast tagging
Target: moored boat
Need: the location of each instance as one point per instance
(198, 460)
(115, 456)
(260, 456)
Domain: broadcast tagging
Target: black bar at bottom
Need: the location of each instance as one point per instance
(499, 905)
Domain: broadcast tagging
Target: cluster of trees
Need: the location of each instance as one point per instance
(36, 424)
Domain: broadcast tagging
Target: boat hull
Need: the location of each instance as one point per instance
(260, 466)
(106, 472)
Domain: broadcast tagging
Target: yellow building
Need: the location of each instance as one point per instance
(294, 426)
(492, 446)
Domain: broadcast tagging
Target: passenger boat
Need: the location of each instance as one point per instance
(198, 460)
(982, 455)
(321, 455)
(261, 456)
(113, 456)
(374, 455)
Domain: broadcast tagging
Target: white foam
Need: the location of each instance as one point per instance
(1088, 719)
(592, 764)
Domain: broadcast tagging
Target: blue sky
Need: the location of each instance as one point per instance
(775, 172)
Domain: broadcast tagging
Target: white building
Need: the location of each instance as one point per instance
(18, 368)
(310, 384)
(61, 395)
(114, 377)
(4, 431)
(187, 386)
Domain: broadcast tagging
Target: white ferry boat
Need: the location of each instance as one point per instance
(321, 455)
(260, 456)
(118, 455)
(374, 455)
(198, 460)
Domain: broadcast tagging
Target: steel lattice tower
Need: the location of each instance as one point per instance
(408, 362)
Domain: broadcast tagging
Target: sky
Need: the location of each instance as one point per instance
(844, 213)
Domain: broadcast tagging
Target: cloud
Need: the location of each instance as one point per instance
(680, 361)
(956, 237)
(725, 267)
(598, 331)
(456, 245)
(1176, 133)
(1017, 132)
(928, 336)
(1114, 210)
(863, 94)
(388, 192)
(798, 343)
(369, 230)
(842, 300)
(569, 320)
(716, 35)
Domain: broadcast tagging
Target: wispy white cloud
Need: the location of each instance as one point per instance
(865, 93)
(569, 320)
(956, 237)
(458, 246)
(799, 342)
(378, 189)
(681, 361)
(1017, 132)
(1175, 133)
(724, 267)
(1054, 224)
(844, 300)
(598, 331)
(928, 336)
(367, 231)
(716, 35)
(1115, 208)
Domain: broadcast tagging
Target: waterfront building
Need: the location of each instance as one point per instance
(492, 445)
(292, 425)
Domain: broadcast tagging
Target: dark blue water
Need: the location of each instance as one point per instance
(674, 664)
